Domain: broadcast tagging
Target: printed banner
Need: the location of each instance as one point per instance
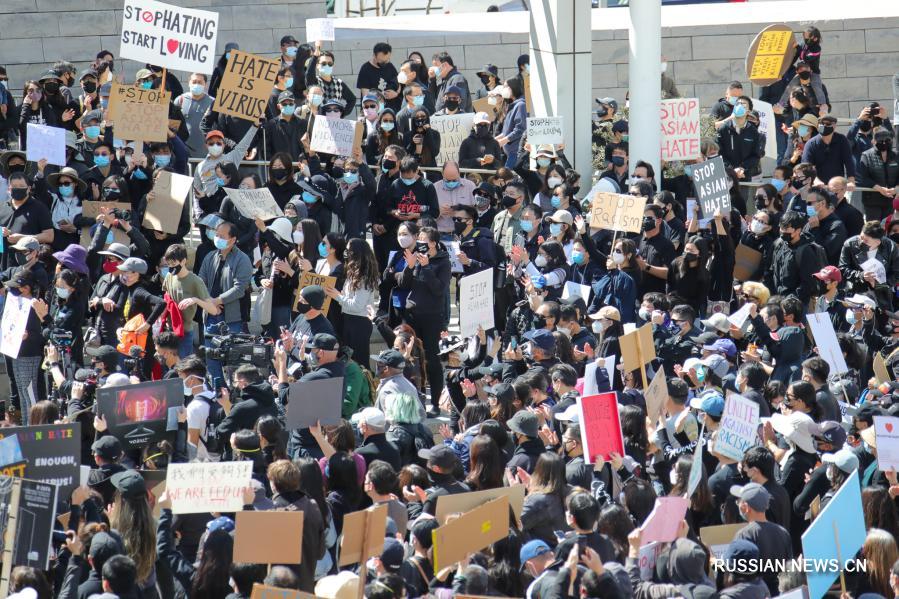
(680, 129)
(246, 86)
(453, 129)
(142, 413)
(476, 302)
(169, 36)
(201, 487)
(29, 513)
(52, 454)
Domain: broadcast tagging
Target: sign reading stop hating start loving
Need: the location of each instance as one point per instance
(169, 36)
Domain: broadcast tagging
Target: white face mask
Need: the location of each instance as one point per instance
(540, 261)
(405, 241)
(565, 331)
(216, 149)
(506, 93)
(617, 257)
(402, 78)
(757, 227)
(298, 237)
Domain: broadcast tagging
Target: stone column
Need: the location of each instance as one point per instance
(644, 70)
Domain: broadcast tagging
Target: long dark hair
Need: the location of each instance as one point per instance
(701, 500)
(343, 478)
(633, 426)
(312, 483)
(549, 475)
(702, 271)
(486, 464)
(312, 236)
(360, 265)
(211, 578)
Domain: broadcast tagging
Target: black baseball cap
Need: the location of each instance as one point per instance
(392, 358)
(104, 546)
(107, 447)
(105, 353)
(129, 483)
(502, 391)
(289, 39)
(314, 296)
(324, 341)
(441, 456)
(23, 278)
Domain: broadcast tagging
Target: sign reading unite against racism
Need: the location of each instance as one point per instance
(680, 129)
(169, 36)
(739, 427)
(246, 86)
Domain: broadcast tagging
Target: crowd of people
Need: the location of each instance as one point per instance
(395, 230)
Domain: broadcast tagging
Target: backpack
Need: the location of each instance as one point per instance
(820, 254)
(210, 437)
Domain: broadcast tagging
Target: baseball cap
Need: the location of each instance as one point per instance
(27, 244)
(324, 341)
(454, 89)
(570, 414)
(830, 274)
(392, 555)
(391, 357)
(725, 346)
(717, 364)
(704, 339)
(541, 338)
(561, 216)
(370, 416)
(523, 423)
(103, 547)
(532, 549)
(23, 278)
(314, 296)
(545, 150)
(741, 549)
(754, 494)
(608, 101)
(117, 250)
(620, 126)
(717, 321)
(289, 39)
(609, 312)
(441, 456)
(143, 74)
(370, 98)
(285, 95)
(830, 432)
(480, 118)
(711, 403)
(502, 391)
(107, 447)
(828, 119)
(844, 459)
(129, 483)
(133, 265)
(104, 353)
(215, 133)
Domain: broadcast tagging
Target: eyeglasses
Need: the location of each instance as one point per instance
(460, 220)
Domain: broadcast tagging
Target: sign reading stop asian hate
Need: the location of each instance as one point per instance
(246, 85)
(680, 129)
(710, 180)
(169, 36)
(476, 302)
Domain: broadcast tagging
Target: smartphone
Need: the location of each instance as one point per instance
(581, 545)
(218, 383)
(514, 344)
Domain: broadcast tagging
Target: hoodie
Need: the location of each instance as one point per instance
(255, 400)
(427, 284)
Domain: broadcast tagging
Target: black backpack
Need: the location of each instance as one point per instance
(210, 437)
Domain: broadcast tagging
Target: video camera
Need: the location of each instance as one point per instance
(87, 377)
(121, 214)
(61, 337)
(235, 349)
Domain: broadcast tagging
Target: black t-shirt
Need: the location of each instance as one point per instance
(773, 542)
(31, 218)
(380, 79)
(657, 251)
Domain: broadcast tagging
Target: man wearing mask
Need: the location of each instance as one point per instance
(200, 404)
(739, 143)
(617, 169)
(308, 324)
(824, 226)
(879, 170)
(23, 216)
(320, 72)
(851, 217)
(722, 111)
(480, 149)
(383, 225)
(794, 261)
(656, 252)
(811, 85)
(476, 245)
(452, 190)
(59, 98)
(188, 291)
(90, 98)
(674, 346)
(283, 132)
(872, 243)
(507, 223)
(484, 197)
(253, 398)
(443, 76)
(194, 104)
(379, 75)
(452, 102)
(602, 122)
(829, 151)
(414, 97)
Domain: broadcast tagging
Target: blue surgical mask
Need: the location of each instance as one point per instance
(140, 175)
(700, 374)
(309, 198)
(322, 250)
(577, 257)
(555, 229)
(196, 89)
(802, 130)
(408, 181)
(164, 272)
(210, 234)
(101, 160)
(387, 126)
(219, 181)
(418, 100)
(850, 317)
(104, 102)
(778, 184)
(452, 184)
(350, 178)
(146, 85)
(220, 244)
(110, 238)
(227, 56)
(618, 160)
(288, 109)
(527, 226)
(556, 201)
(326, 69)
(92, 131)
(316, 99)
(732, 100)
(291, 51)
(739, 111)
(810, 211)
(543, 162)
(288, 82)
(162, 160)
(62, 293)
(66, 191)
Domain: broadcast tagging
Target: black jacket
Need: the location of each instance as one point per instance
(282, 135)
(830, 234)
(479, 247)
(255, 400)
(741, 149)
(357, 203)
(474, 147)
(427, 284)
(854, 253)
(793, 267)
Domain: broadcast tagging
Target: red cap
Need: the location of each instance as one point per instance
(214, 133)
(895, 203)
(829, 274)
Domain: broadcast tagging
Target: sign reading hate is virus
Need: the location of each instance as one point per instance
(169, 36)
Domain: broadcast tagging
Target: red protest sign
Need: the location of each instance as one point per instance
(600, 426)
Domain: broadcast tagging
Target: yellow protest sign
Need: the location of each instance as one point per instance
(769, 54)
(311, 278)
(618, 212)
(246, 85)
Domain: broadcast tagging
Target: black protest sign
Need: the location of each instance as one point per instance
(246, 85)
(29, 511)
(710, 180)
(52, 453)
(142, 413)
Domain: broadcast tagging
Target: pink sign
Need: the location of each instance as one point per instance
(600, 426)
(664, 520)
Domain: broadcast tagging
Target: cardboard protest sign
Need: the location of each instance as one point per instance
(546, 130)
(45, 142)
(600, 426)
(255, 202)
(484, 105)
(336, 136)
(314, 401)
(453, 129)
(141, 413)
(319, 30)
(138, 113)
(836, 534)
(246, 86)
(617, 212)
(471, 532)
(880, 369)
(886, 430)
(13, 323)
(738, 430)
(637, 348)
(770, 53)
(165, 203)
(170, 36)
(29, 513)
(717, 538)
(363, 535)
(92, 209)
(826, 341)
(656, 394)
(662, 523)
(476, 302)
(710, 181)
(746, 262)
(200, 487)
(269, 537)
(261, 591)
(465, 502)
(52, 453)
(767, 125)
(311, 278)
(695, 476)
(680, 129)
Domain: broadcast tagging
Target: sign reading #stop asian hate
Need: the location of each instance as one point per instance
(169, 36)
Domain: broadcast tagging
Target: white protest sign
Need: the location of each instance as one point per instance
(696, 467)
(647, 558)
(319, 30)
(767, 126)
(886, 429)
(453, 129)
(46, 142)
(15, 319)
(335, 136)
(590, 387)
(476, 302)
(576, 289)
(871, 265)
(455, 264)
(738, 430)
(826, 340)
(169, 36)
(738, 318)
(680, 129)
(200, 487)
(255, 202)
(546, 130)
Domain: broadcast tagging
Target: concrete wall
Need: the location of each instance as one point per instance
(36, 33)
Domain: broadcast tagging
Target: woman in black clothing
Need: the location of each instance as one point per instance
(331, 251)
(760, 236)
(423, 142)
(385, 134)
(66, 310)
(160, 241)
(277, 243)
(280, 179)
(688, 277)
(34, 109)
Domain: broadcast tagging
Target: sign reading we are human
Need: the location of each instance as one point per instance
(169, 36)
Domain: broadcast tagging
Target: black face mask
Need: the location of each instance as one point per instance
(21, 258)
(883, 145)
(573, 191)
(805, 76)
(302, 308)
(481, 130)
(827, 130)
(509, 201)
(459, 227)
(760, 203)
(421, 247)
(51, 88)
(419, 123)
(865, 126)
(111, 194)
(18, 194)
(279, 173)
(337, 172)
(452, 104)
(539, 322)
(16, 168)
(89, 87)
(649, 223)
(691, 258)
(389, 164)
(484, 79)
(787, 237)
(797, 183)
